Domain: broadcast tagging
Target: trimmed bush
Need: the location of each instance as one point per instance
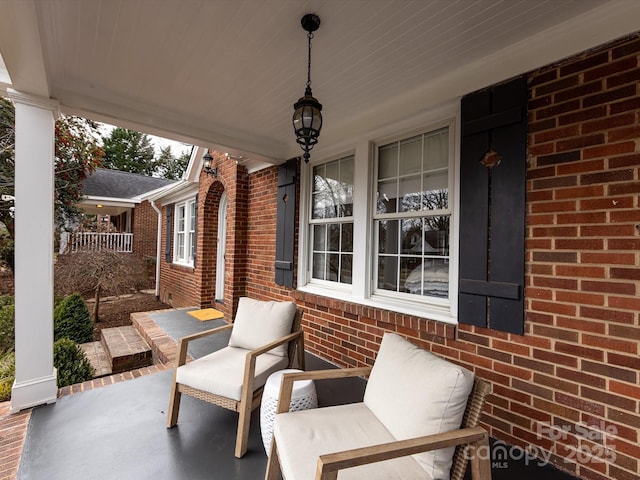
(71, 362)
(7, 375)
(7, 300)
(71, 319)
(7, 325)
(7, 252)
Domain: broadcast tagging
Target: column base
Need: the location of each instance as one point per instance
(34, 392)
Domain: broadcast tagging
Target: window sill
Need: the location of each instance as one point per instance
(182, 266)
(406, 307)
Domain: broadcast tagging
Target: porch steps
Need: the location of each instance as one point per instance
(120, 349)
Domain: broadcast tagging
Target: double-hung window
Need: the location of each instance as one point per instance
(331, 221)
(380, 224)
(412, 217)
(185, 227)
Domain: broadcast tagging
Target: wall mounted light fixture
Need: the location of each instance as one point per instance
(307, 119)
(208, 160)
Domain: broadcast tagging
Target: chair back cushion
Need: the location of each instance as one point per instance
(415, 393)
(259, 322)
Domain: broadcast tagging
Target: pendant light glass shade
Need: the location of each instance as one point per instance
(307, 122)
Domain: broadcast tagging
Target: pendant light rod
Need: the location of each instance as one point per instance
(310, 22)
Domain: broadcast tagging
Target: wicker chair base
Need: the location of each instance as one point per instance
(224, 402)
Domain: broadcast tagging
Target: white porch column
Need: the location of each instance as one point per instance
(35, 381)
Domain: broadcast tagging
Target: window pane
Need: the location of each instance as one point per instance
(333, 266)
(318, 178)
(436, 150)
(388, 273)
(410, 194)
(387, 192)
(181, 215)
(346, 171)
(332, 174)
(436, 193)
(436, 235)
(388, 161)
(408, 266)
(346, 271)
(346, 178)
(319, 241)
(430, 278)
(347, 237)
(321, 205)
(192, 245)
(318, 265)
(411, 236)
(388, 236)
(180, 246)
(333, 230)
(411, 155)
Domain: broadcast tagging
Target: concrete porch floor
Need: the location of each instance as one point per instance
(119, 432)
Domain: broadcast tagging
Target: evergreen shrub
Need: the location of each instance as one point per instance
(71, 362)
(71, 319)
(7, 374)
(7, 324)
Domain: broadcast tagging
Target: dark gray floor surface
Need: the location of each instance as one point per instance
(118, 431)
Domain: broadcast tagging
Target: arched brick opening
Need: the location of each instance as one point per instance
(208, 242)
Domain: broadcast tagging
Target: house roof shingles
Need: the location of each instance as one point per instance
(117, 184)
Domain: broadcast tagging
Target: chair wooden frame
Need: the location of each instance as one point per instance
(471, 441)
(250, 397)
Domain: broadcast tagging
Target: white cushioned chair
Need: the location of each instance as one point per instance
(264, 338)
(407, 427)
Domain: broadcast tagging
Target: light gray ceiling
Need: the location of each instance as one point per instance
(226, 73)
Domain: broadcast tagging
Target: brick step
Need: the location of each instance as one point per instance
(98, 358)
(126, 349)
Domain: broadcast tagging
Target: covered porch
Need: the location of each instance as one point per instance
(559, 343)
(115, 427)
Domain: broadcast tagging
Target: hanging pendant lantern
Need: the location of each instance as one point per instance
(307, 119)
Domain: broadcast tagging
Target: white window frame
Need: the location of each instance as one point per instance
(435, 302)
(184, 255)
(326, 221)
(363, 289)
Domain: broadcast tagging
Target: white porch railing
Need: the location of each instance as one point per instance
(96, 242)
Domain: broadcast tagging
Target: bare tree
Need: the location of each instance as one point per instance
(99, 272)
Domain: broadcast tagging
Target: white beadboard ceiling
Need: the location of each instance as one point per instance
(226, 73)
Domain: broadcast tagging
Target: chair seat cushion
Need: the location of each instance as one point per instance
(303, 436)
(222, 372)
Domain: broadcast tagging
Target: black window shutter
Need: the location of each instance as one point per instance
(286, 223)
(169, 234)
(195, 232)
(492, 207)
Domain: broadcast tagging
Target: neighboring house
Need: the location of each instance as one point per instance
(126, 222)
(526, 270)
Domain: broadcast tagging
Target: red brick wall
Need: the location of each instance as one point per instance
(576, 367)
(582, 254)
(145, 230)
(182, 286)
(178, 287)
(261, 236)
(177, 282)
